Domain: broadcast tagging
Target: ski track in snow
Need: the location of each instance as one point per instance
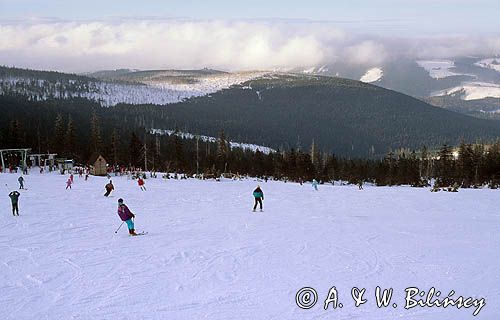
(207, 256)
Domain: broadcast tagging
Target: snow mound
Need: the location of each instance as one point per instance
(372, 75)
(472, 91)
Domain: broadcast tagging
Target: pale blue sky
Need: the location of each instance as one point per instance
(407, 17)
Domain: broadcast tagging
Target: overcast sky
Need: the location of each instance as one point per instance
(240, 35)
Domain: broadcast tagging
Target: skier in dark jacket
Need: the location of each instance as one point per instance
(21, 182)
(109, 187)
(127, 216)
(259, 196)
(14, 198)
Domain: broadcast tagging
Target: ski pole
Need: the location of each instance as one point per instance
(119, 227)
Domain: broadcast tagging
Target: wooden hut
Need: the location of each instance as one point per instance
(98, 165)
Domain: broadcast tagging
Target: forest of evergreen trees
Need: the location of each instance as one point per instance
(75, 131)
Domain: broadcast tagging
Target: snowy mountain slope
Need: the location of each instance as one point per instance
(149, 88)
(207, 256)
(233, 144)
(372, 75)
(197, 82)
(106, 93)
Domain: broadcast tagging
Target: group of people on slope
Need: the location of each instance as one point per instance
(123, 211)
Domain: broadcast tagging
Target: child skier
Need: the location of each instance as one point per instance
(14, 198)
(127, 216)
(140, 182)
(21, 182)
(109, 187)
(259, 196)
(68, 183)
(71, 177)
(315, 184)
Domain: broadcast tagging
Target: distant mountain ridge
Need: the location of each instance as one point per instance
(119, 86)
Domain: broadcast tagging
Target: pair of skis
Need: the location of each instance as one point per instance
(142, 233)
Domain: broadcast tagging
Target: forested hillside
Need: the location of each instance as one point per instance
(342, 116)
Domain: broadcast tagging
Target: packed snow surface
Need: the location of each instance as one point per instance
(438, 69)
(472, 91)
(207, 256)
(372, 75)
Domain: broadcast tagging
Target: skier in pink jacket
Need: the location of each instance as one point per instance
(68, 184)
(126, 215)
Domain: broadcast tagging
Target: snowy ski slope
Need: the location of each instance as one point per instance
(207, 256)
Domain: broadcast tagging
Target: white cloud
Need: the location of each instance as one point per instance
(228, 45)
(366, 53)
(171, 43)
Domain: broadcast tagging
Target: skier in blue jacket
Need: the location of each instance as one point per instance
(315, 184)
(259, 196)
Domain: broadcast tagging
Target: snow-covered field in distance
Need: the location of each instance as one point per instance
(472, 91)
(490, 63)
(207, 256)
(438, 69)
(372, 75)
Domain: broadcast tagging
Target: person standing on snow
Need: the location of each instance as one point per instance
(14, 199)
(71, 177)
(259, 196)
(68, 184)
(126, 215)
(21, 182)
(315, 184)
(140, 182)
(109, 187)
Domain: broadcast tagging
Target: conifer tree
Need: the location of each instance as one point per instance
(70, 139)
(95, 133)
(58, 139)
(135, 151)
